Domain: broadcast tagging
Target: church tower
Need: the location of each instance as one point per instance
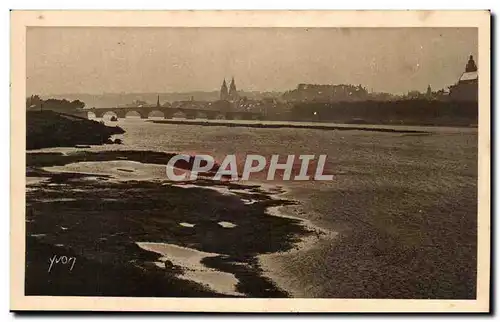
(429, 91)
(223, 91)
(471, 65)
(233, 93)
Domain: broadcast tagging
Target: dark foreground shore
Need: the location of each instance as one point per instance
(99, 220)
(52, 129)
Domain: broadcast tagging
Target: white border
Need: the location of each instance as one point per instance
(263, 18)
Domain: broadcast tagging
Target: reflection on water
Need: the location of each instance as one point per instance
(182, 119)
(392, 196)
(439, 163)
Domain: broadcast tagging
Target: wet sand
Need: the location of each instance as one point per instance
(206, 235)
(190, 261)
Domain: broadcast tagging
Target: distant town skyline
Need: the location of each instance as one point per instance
(97, 60)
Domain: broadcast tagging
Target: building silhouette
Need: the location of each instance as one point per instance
(230, 94)
(466, 89)
(233, 93)
(224, 95)
(471, 65)
(326, 93)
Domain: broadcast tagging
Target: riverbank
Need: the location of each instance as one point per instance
(52, 129)
(138, 236)
(421, 112)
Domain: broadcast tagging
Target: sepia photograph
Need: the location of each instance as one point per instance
(251, 155)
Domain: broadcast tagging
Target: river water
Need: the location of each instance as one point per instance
(400, 211)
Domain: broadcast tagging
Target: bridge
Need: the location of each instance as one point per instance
(180, 112)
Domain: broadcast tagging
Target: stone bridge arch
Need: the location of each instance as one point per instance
(156, 113)
(109, 114)
(179, 114)
(220, 116)
(97, 112)
(237, 116)
(202, 115)
(133, 113)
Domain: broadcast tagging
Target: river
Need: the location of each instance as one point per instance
(399, 216)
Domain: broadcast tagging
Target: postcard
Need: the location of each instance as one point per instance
(250, 161)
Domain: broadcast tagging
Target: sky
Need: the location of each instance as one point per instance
(96, 60)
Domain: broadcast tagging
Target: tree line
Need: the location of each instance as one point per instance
(34, 102)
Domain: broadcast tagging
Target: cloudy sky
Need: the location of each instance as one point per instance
(114, 60)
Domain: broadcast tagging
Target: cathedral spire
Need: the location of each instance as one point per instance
(233, 93)
(223, 91)
(232, 86)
